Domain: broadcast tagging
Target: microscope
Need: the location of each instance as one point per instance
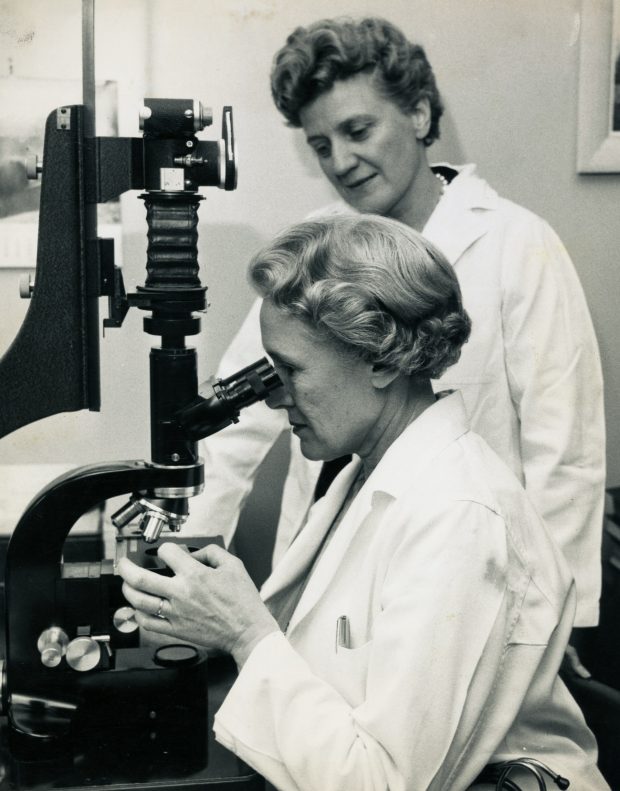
(75, 673)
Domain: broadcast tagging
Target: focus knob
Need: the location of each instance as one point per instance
(52, 645)
(124, 620)
(34, 167)
(83, 653)
(26, 286)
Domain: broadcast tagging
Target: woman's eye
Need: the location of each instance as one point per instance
(359, 133)
(322, 151)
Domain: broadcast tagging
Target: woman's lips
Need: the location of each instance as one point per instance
(360, 182)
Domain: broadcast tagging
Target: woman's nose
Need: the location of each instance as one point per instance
(279, 398)
(343, 159)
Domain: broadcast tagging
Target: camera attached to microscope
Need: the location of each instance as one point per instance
(74, 665)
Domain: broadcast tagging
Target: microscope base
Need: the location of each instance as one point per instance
(105, 762)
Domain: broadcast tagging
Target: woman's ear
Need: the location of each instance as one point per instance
(381, 376)
(421, 117)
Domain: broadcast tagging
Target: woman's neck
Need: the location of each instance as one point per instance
(407, 399)
(421, 200)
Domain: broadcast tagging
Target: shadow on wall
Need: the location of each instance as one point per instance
(449, 147)
(224, 253)
(256, 530)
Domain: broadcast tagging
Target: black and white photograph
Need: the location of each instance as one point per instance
(309, 412)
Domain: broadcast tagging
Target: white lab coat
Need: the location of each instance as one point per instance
(460, 607)
(530, 376)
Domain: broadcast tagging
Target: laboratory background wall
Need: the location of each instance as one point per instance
(508, 73)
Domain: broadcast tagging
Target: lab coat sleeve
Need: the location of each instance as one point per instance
(232, 456)
(555, 378)
(298, 730)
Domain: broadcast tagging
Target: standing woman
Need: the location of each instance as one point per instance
(412, 633)
(530, 375)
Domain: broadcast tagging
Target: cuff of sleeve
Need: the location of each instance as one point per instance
(234, 715)
(244, 722)
(587, 616)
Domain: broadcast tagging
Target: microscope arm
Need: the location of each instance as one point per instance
(34, 557)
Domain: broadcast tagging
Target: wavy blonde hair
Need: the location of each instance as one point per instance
(372, 284)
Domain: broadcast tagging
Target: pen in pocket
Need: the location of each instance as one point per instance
(343, 636)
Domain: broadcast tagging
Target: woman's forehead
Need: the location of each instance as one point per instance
(289, 338)
(280, 329)
(345, 100)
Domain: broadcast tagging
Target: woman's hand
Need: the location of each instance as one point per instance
(210, 600)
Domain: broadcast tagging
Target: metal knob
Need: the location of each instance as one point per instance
(203, 116)
(83, 653)
(124, 620)
(144, 114)
(52, 645)
(26, 285)
(34, 166)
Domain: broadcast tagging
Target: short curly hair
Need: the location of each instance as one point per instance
(314, 57)
(372, 284)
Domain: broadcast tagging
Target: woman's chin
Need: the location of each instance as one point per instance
(311, 447)
(313, 450)
(311, 453)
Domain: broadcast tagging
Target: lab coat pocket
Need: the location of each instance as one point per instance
(349, 671)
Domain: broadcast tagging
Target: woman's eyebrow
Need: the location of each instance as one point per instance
(344, 125)
(314, 138)
(356, 119)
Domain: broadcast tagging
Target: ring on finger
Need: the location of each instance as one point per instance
(159, 613)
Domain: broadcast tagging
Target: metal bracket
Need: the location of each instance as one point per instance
(63, 118)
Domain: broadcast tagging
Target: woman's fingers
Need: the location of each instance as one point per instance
(152, 624)
(176, 558)
(146, 602)
(210, 600)
(143, 579)
(212, 555)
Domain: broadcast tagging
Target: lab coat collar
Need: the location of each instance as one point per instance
(463, 214)
(420, 443)
(424, 439)
(302, 551)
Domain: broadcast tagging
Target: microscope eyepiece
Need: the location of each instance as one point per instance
(227, 397)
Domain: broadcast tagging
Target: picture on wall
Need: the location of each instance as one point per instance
(598, 139)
